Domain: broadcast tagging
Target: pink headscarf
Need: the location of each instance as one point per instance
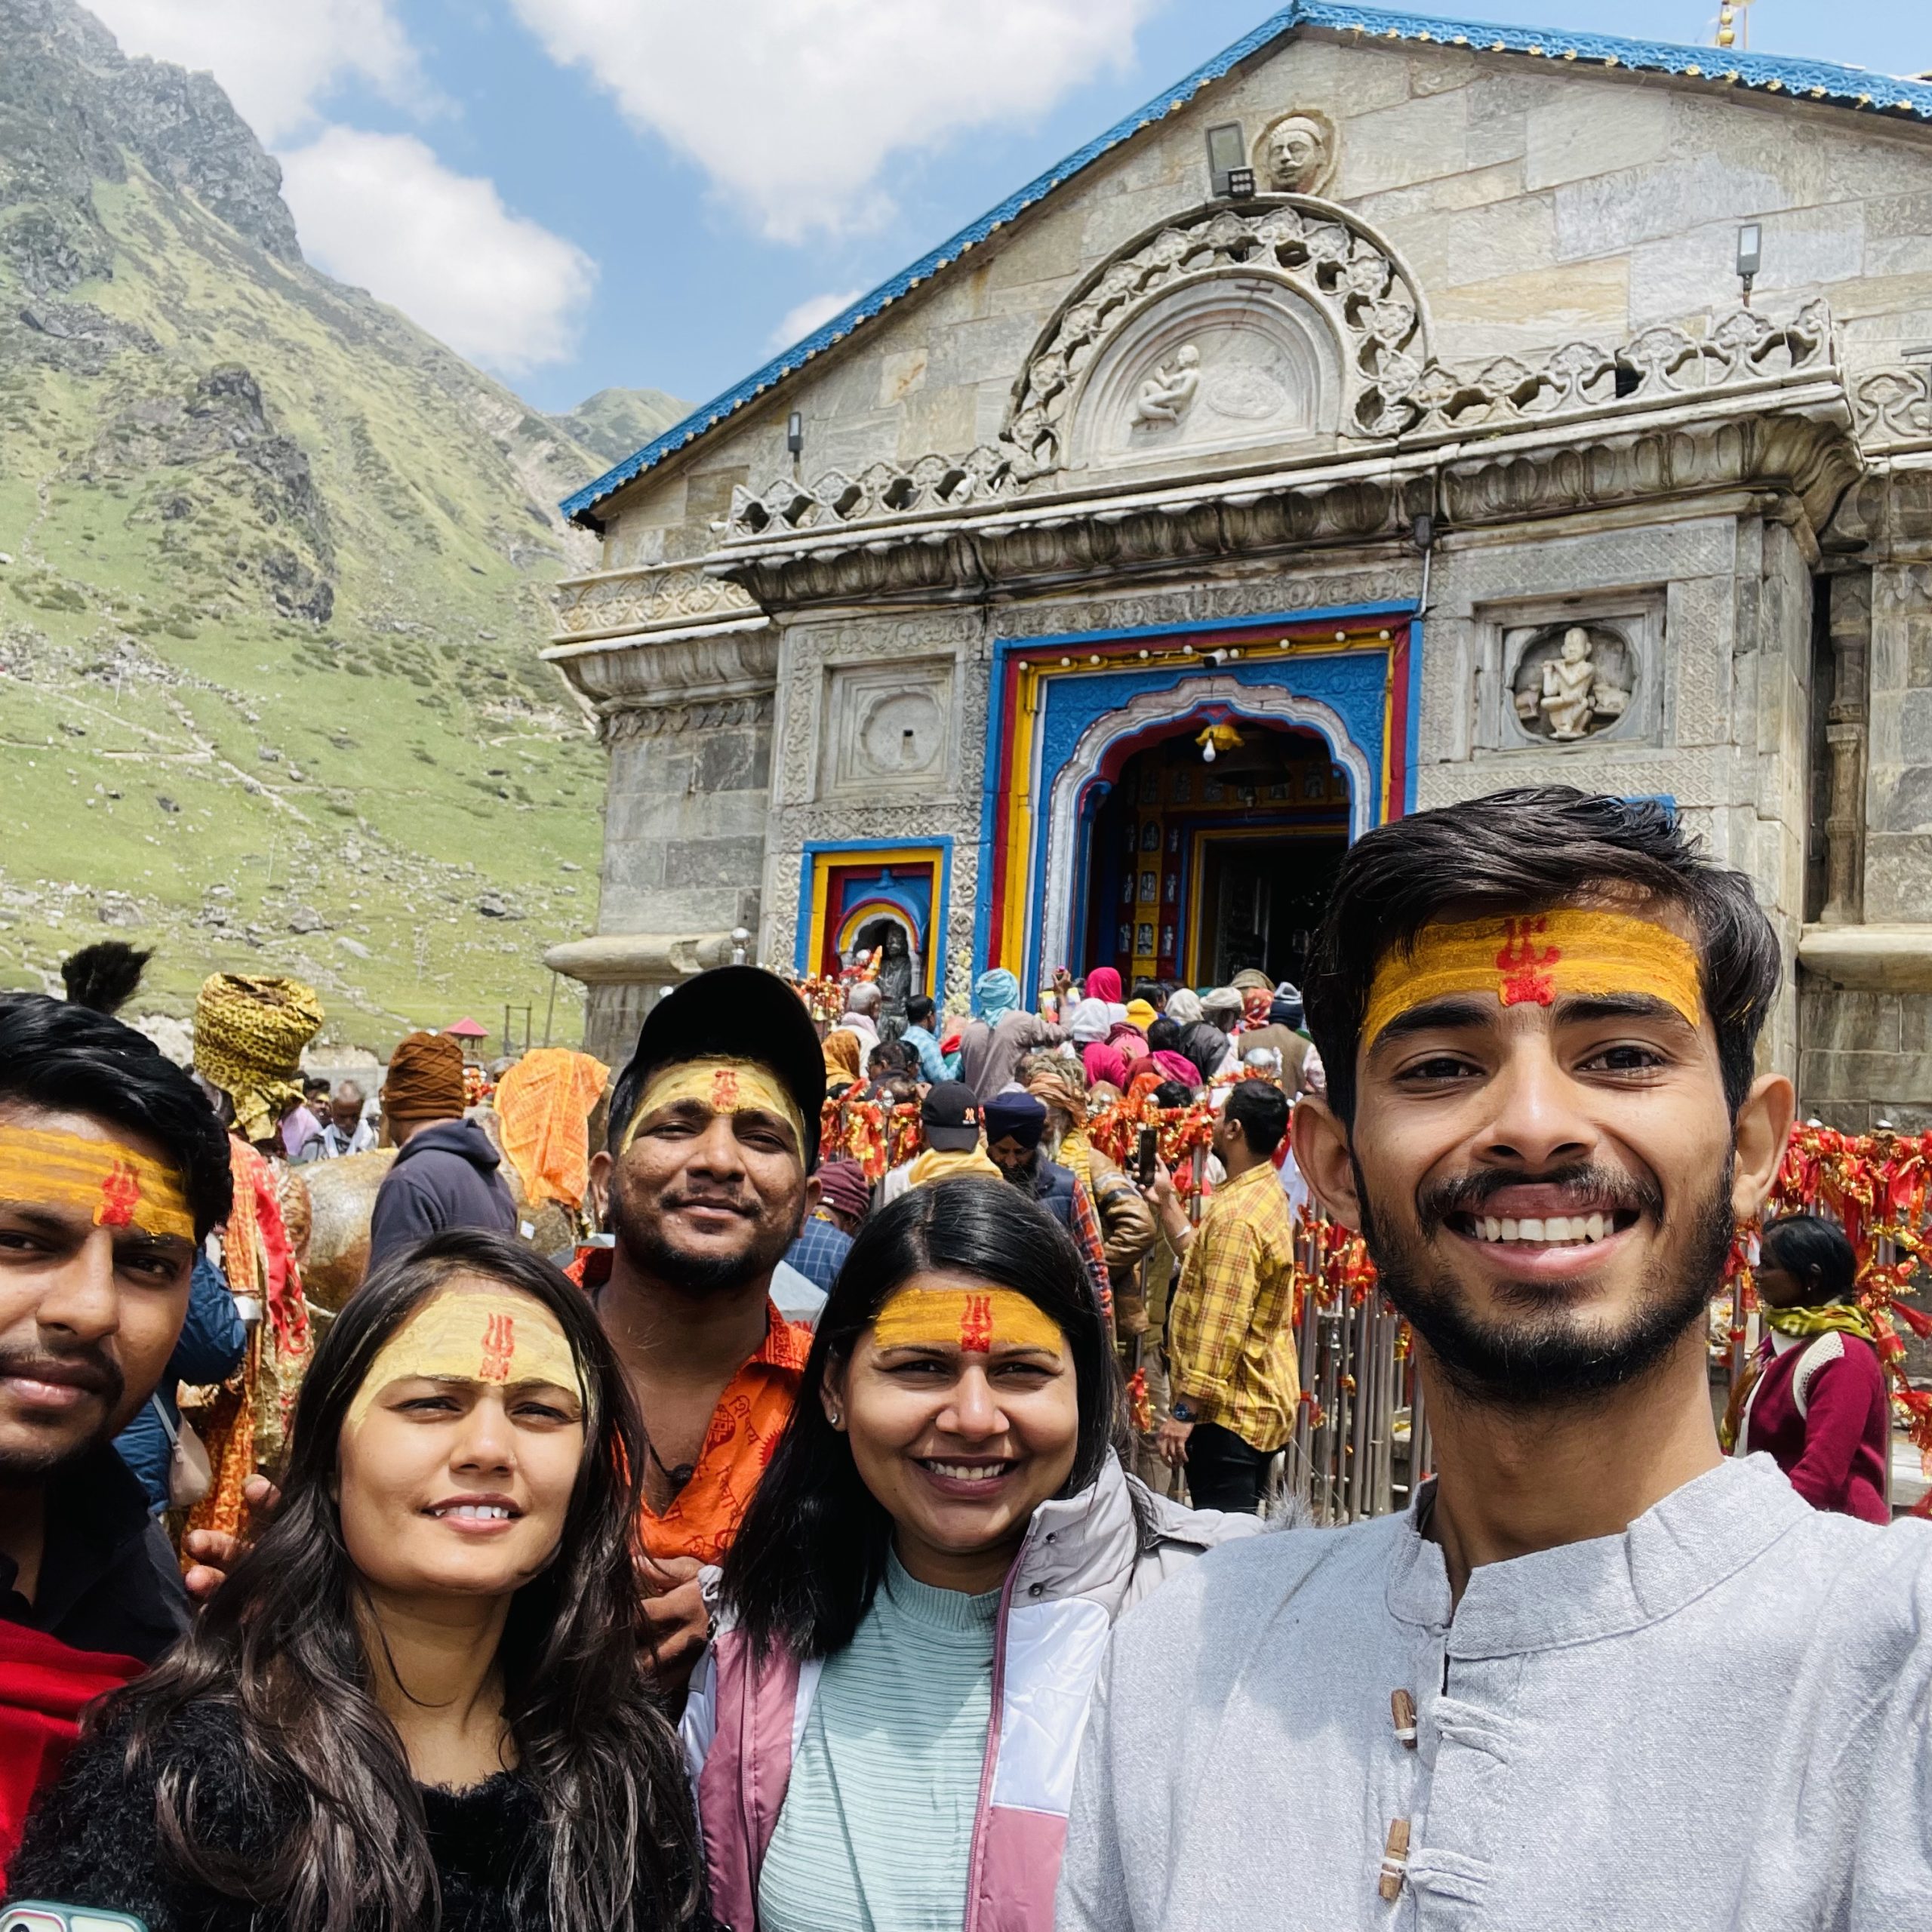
(1103, 1060)
(1103, 982)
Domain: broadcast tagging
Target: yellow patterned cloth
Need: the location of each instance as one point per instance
(1231, 1341)
(250, 1030)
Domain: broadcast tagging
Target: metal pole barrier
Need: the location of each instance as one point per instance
(1358, 1445)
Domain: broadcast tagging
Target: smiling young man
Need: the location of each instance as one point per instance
(112, 1168)
(707, 1179)
(1537, 1698)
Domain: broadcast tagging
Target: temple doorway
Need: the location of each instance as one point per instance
(1197, 867)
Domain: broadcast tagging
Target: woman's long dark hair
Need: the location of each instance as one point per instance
(280, 1645)
(812, 1548)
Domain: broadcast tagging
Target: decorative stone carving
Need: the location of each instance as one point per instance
(1893, 405)
(1741, 355)
(1232, 362)
(886, 726)
(1745, 347)
(1572, 683)
(669, 721)
(652, 596)
(1167, 394)
(1296, 155)
(1324, 254)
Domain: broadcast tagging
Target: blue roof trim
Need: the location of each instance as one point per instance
(1814, 80)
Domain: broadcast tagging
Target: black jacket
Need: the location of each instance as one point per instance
(91, 1839)
(108, 1579)
(445, 1177)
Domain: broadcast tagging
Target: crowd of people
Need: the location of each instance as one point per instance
(784, 1551)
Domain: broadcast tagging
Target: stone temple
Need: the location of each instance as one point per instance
(1396, 410)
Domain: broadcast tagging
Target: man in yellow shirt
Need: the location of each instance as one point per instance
(1231, 1345)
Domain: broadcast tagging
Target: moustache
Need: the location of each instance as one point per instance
(1584, 1188)
(90, 1368)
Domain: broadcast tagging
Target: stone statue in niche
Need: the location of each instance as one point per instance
(1168, 394)
(895, 971)
(1571, 693)
(1295, 154)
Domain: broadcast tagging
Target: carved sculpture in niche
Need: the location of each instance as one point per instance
(1572, 686)
(1232, 362)
(901, 734)
(1167, 394)
(1296, 155)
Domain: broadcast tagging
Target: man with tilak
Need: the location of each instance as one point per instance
(1538, 1698)
(705, 1183)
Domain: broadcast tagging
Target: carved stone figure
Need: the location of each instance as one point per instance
(1573, 692)
(1298, 149)
(895, 972)
(1167, 394)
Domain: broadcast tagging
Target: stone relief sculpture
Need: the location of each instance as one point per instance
(1167, 394)
(1571, 693)
(1297, 153)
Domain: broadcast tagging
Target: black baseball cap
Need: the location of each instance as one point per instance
(742, 1012)
(950, 1114)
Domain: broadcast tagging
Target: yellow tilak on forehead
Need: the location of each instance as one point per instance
(1535, 959)
(724, 1086)
(975, 1321)
(471, 1335)
(114, 1185)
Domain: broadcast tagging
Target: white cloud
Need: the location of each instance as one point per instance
(382, 211)
(276, 59)
(797, 323)
(793, 106)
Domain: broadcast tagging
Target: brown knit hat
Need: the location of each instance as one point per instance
(425, 1080)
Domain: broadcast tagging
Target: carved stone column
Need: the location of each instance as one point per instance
(1845, 743)
(680, 670)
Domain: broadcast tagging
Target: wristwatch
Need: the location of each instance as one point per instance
(1182, 1410)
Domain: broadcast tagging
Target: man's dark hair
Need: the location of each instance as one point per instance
(1164, 1035)
(919, 1010)
(1150, 990)
(891, 1056)
(1260, 1109)
(67, 1059)
(1171, 1093)
(1810, 1248)
(105, 975)
(1525, 851)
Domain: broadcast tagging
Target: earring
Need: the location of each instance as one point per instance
(834, 1418)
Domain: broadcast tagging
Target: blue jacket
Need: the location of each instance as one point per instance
(934, 1065)
(212, 1339)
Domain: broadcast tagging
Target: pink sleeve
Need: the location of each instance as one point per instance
(1839, 1404)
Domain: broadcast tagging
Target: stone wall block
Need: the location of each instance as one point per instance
(1620, 211)
(1898, 879)
(1415, 142)
(1837, 1020)
(1602, 131)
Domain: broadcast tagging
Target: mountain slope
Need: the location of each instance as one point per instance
(273, 571)
(616, 422)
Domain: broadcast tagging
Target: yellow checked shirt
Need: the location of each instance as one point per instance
(1231, 1346)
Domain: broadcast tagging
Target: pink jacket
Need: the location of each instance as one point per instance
(1081, 1566)
(1820, 1409)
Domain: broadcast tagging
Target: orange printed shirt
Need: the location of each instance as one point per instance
(750, 1416)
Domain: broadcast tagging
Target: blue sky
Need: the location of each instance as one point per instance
(660, 193)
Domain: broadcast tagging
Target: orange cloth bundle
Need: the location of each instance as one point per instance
(543, 1108)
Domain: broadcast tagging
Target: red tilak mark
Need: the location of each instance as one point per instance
(120, 1195)
(499, 1345)
(724, 1091)
(1525, 980)
(975, 1325)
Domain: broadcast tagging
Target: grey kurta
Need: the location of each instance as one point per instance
(1719, 1718)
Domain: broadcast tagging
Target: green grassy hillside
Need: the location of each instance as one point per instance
(273, 585)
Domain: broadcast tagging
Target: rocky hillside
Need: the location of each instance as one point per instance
(273, 572)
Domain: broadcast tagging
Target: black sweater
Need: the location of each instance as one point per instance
(91, 1839)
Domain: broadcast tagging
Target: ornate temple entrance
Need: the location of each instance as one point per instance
(1198, 867)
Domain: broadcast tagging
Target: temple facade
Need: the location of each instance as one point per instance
(1390, 412)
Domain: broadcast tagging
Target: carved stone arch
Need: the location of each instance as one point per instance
(1317, 253)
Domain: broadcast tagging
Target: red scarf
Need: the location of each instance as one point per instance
(44, 1685)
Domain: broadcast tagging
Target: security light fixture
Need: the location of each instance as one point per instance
(794, 433)
(1241, 184)
(1227, 155)
(1750, 256)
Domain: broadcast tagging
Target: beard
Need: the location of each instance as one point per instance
(1548, 1358)
(23, 1467)
(705, 1272)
